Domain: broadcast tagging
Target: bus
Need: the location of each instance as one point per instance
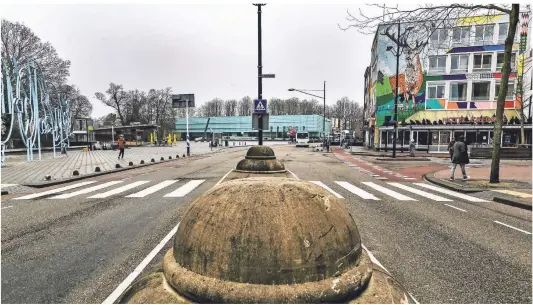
(302, 139)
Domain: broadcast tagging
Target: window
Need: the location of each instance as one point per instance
(510, 90)
(499, 61)
(480, 91)
(458, 91)
(437, 63)
(435, 91)
(438, 37)
(502, 32)
(482, 62)
(461, 35)
(484, 33)
(459, 63)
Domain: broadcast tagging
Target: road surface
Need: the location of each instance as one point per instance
(77, 242)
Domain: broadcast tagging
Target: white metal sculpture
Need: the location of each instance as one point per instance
(25, 99)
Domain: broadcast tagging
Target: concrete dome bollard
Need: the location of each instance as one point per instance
(295, 243)
(152, 160)
(118, 165)
(170, 157)
(177, 156)
(75, 173)
(142, 162)
(162, 159)
(47, 177)
(130, 164)
(260, 159)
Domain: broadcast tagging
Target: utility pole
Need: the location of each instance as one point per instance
(324, 121)
(259, 68)
(395, 119)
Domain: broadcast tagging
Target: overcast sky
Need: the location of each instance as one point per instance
(206, 49)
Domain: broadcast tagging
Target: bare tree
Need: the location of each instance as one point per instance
(117, 100)
(245, 107)
(230, 107)
(417, 37)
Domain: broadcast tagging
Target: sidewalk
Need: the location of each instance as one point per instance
(17, 171)
(363, 151)
(515, 186)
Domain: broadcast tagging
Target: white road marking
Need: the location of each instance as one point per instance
(503, 224)
(292, 174)
(152, 189)
(132, 276)
(386, 191)
(327, 188)
(54, 191)
(357, 191)
(185, 189)
(408, 178)
(7, 185)
(119, 190)
(86, 191)
(451, 206)
(451, 193)
(7, 207)
(220, 181)
(419, 192)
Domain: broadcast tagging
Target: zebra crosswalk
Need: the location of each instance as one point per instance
(175, 189)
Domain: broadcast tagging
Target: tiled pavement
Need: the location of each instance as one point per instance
(20, 172)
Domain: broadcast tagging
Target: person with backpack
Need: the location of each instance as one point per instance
(460, 156)
(121, 144)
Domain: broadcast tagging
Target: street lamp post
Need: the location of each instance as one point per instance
(259, 69)
(322, 97)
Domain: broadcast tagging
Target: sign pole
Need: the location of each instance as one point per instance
(187, 119)
(259, 70)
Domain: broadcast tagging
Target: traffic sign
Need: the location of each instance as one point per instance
(255, 121)
(260, 106)
(268, 75)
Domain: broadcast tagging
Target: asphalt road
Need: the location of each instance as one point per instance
(79, 249)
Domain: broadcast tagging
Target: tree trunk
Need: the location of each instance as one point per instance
(500, 104)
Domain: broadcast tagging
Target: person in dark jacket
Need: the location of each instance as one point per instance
(460, 156)
(450, 148)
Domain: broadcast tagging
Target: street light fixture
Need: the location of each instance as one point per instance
(321, 97)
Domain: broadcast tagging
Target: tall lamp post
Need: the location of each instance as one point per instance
(395, 117)
(322, 97)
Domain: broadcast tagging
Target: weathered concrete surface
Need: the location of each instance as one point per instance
(267, 231)
(260, 158)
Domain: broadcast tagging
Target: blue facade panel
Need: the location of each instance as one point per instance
(243, 124)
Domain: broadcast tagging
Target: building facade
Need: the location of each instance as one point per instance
(240, 127)
(449, 89)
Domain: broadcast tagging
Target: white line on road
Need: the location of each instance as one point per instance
(7, 207)
(292, 174)
(220, 181)
(391, 193)
(152, 189)
(327, 188)
(132, 276)
(375, 261)
(419, 192)
(503, 224)
(119, 190)
(357, 191)
(451, 193)
(185, 189)
(451, 206)
(54, 191)
(86, 191)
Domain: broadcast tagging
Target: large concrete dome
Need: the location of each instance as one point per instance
(267, 231)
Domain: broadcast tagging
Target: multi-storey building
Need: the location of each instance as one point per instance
(447, 90)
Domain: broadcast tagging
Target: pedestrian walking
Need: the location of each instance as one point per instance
(460, 156)
(412, 148)
(121, 144)
(450, 148)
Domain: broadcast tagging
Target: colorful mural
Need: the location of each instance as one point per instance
(413, 76)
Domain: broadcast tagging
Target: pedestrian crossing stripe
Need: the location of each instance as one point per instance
(141, 189)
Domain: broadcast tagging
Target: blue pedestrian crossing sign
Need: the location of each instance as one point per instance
(260, 106)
